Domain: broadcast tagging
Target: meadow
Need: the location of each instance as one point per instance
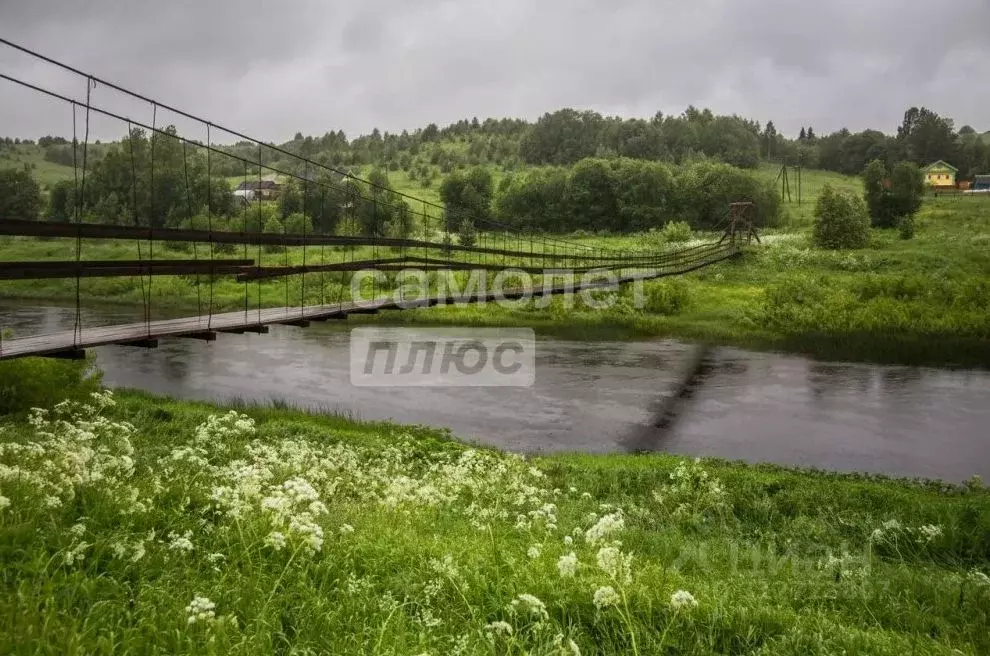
(133, 523)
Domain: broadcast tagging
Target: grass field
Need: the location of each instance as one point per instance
(45, 172)
(155, 526)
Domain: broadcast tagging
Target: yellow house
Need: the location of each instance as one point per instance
(940, 174)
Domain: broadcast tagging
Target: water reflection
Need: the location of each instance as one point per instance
(598, 397)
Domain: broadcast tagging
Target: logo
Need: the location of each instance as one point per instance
(443, 357)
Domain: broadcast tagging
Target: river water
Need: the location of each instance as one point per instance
(597, 397)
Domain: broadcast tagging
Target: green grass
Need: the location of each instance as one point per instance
(109, 530)
(45, 172)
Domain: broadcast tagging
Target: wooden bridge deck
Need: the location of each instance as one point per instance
(72, 343)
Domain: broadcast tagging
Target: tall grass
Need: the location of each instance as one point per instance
(157, 526)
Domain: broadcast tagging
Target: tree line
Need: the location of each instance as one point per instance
(161, 181)
(621, 195)
(565, 136)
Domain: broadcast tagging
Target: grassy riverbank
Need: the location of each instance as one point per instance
(171, 527)
(918, 301)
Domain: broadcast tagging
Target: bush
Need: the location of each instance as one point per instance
(841, 221)
(28, 383)
(666, 296)
(466, 233)
(676, 232)
(274, 226)
(892, 198)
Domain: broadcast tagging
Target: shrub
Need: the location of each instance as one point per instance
(841, 221)
(28, 383)
(666, 296)
(297, 223)
(892, 198)
(273, 226)
(466, 233)
(676, 232)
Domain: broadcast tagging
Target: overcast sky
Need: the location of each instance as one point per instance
(271, 69)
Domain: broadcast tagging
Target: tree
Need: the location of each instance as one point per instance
(841, 221)
(467, 194)
(927, 137)
(20, 195)
(290, 199)
(802, 136)
(61, 201)
(892, 197)
(810, 136)
(907, 189)
(875, 193)
(770, 138)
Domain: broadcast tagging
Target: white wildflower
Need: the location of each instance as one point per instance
(78, 529)
(275, 540)
(618, 566)
(180, 542)
(528, 604)
(346, 528)
(607, 526)
(568, 540)
(682, 599)
(586, 495)
(4, 502)
(75, 554)
(929, 532)
(138, 551)
(201, 609)
(499, 628)
(567, 565)
(215, 558)
(605, 596)
(533, 552)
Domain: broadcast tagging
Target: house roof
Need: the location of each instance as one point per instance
(940, 165)
(255, 184)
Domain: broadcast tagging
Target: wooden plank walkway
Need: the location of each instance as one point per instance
(72, 343)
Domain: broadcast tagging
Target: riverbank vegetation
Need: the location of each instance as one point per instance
(136, 523)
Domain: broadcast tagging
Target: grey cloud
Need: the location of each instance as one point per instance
(272, 69)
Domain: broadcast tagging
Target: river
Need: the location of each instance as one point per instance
(597, 397)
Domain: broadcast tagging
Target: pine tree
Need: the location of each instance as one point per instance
(810, 136)
(802, 136)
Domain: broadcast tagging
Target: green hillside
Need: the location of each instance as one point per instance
(33, 156)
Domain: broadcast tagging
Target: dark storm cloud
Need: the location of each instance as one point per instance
(274, 68)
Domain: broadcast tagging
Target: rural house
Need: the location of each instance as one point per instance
(981, 183)
(263, 189)
(940, 174)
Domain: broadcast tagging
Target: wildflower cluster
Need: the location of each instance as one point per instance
(893, 532)
(692, 492)
(74, 448)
